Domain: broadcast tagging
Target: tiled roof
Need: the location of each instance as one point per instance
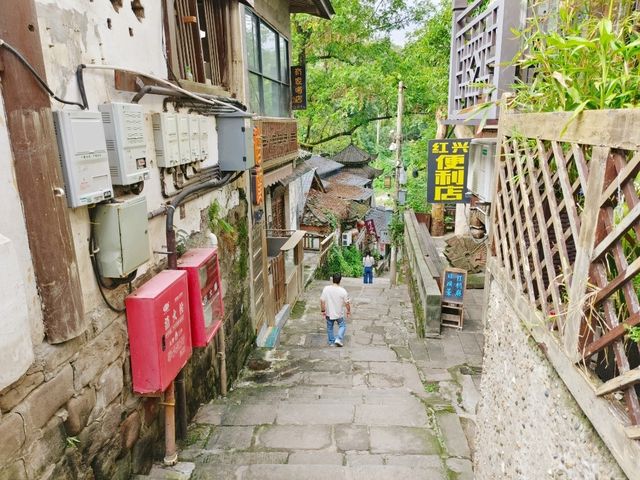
(320, 206)
(349, 192)
(364, 171)
(352, 155)
(324, 166)
(347, 178)
(299, 171)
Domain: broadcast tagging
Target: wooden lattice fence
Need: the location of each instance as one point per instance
(566, 225)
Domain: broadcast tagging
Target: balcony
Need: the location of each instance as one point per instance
(482, 47)
(279, 140)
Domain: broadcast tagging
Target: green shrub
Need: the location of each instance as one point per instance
(344, 260)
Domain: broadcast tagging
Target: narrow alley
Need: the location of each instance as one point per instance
(387, 405)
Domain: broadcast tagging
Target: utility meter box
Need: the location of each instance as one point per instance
(121, 230)
(165, 135)
(205, 293)
(126, 143)
(83, 156)
(184, 143)
(194, 137)
(159, 331)
(235, 143)
(204, 125)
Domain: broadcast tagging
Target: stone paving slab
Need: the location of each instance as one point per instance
(294, 437)
(390, 415)
(379, 408)
(310, 414)
(403, 440)
(231, 437)
(248, 415)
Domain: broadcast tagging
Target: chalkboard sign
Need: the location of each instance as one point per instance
(454, 282)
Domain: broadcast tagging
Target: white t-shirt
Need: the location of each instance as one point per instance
(368, 261)
(335, 299)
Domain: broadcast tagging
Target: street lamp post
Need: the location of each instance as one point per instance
(398, 143)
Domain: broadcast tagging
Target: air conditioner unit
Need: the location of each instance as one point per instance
(347, 238)
(481, 168)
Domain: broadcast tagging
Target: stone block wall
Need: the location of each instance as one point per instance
(529, 425)
(73, 415)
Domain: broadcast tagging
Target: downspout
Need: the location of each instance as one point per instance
(175, 396)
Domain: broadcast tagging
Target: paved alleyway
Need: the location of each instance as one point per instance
(386, 406)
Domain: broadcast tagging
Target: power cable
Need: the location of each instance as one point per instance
(161, 81)
(36, 75)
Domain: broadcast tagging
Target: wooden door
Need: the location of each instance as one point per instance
(278, 221)
(279, 288)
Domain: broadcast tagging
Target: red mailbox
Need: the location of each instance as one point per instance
(205, 293)
(159, 333)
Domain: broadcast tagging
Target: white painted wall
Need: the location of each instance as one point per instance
(13, 228)
(295, 196)
(16, 352)
(76, 31)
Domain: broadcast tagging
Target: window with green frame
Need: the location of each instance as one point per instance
(268, 64)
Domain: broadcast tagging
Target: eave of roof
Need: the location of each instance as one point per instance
(318, 8)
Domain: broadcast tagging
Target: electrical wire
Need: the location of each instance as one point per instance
(36, 75)
(93, 250)
(209, 101)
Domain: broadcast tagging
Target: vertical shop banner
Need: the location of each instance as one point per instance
(298, 87)
(448, 164)
(371, 227)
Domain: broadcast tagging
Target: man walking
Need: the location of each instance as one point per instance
(334, 302)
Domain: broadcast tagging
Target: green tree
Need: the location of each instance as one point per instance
(353, 70)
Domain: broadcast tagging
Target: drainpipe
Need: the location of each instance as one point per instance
(177, 393)
(170, 451)
(222, 354)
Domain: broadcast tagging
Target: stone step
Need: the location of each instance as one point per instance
(315, 472)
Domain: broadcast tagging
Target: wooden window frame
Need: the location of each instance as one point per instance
(183, 22)
(285, 84)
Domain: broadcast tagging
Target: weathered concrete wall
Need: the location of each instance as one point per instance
(73, 414)
(424, 290)
(529, 426)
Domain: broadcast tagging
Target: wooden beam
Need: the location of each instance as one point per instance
(625, 224)
(584, 246)
(628, 274)
(620, 382)
(614, 128)
(610, 336)
(633, 432)
(37, 173)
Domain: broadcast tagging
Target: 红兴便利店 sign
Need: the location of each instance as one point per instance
(298, 88)
(447, 165)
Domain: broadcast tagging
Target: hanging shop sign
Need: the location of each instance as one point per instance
(298, 88)
(371, 227)
(454, 283)
(448, 164)
(257, 185)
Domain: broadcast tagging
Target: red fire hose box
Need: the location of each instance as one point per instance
(205, 293)
(159, 331)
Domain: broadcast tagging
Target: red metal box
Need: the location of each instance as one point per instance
(159, 331)
(205, 293)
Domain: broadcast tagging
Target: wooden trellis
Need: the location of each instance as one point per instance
(566, 231)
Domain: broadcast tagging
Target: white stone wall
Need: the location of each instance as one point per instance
(529, 425)
(74, 32)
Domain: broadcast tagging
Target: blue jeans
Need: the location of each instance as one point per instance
(368, 274)
(342, 327)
